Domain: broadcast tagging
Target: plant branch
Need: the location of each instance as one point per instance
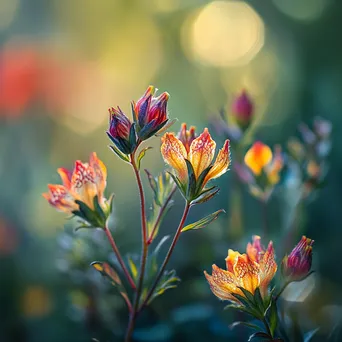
(143, 260)
(168, 255)
(160, 215)
(119, 257)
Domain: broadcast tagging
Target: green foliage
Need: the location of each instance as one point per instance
(202, 223)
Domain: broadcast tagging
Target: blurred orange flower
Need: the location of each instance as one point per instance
(249, 271)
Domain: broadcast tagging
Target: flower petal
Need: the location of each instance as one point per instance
(202, 151)
(100, 171)
(222, 284)
(268, 268)
(255, 250)
(231, 259)
(257, 157)
(60, 198)
(221, 163)
(65, 175)
(83, 183)
(174, 154)
(247, 272)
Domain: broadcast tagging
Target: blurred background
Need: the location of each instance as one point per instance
(63, 63)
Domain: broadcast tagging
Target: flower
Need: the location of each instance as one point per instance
(298, 264)
(249, 271)
(81, 185)
(150, 113)
(242, 109)
(121, 131)
(265, 167)
(192, 160)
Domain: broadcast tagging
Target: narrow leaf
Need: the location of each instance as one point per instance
(204, 221)
(133, 268)
(260, 335)
(249, 325)
(166, 127)
(273, 316)
(206, 195)
(121, 155)
(142, 155)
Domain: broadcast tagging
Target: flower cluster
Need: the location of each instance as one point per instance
(249, 271)
(191, 158)
(82, 192)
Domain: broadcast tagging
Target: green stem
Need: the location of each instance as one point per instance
(160, 215)
(143, 260)
(168, 255)
(119, 257)
(267, 327)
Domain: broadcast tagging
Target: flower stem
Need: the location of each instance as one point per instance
(119, 257)
(143, 260)
(160, 215)
(168, 255)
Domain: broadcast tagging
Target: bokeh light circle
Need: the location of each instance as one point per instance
(306, 10)
(224, 34)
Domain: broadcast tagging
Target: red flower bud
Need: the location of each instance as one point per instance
(298, 264)
(120, 131)
(243, 109)
(150, 113)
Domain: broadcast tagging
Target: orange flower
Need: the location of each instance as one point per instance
(197, 154)
(86, 181)
(249, 271)
(262, 162)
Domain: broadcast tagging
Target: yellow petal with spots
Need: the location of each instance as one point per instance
(174, 154)
(202, 151)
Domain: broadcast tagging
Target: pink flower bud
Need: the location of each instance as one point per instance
(243, 109)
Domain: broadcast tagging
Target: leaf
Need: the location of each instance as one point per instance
(154, 257)
(142, 155)
(249, 325)
(106, 270)
(168, 281)
(310, 334)
(192, 184)
(204, 221)
(259, 301)
(273, 316)
(121, 155)
(260, 335)
(133, 268)
(206, 195)
(248, 305)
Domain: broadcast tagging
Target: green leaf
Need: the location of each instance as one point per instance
(168, 281)
(99, 211)
(142, 155)
(248, 305)
(260, 335)
(273, 316)
(133, 268)
(201, 178)
(259, 301)
(121, 155)
(206, 195)
(180, 186)
(192, 184)
(204, 221)
(249, 325)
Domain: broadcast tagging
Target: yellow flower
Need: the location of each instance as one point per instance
(262, 162)
(257, 157)
(86, 181)
(249, 271)
(198, 153)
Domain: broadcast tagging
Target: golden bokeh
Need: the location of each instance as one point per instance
(224, 34)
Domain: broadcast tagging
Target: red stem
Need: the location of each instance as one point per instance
(168, 255)
(119, 257)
